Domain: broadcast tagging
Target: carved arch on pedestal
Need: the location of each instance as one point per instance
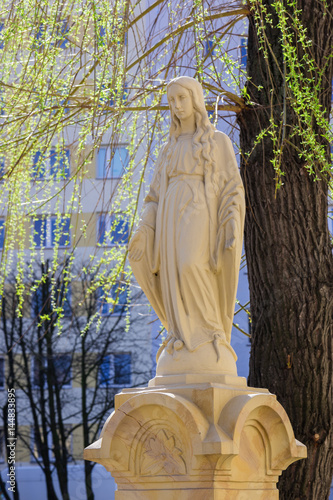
(265, 414)
(150, 424)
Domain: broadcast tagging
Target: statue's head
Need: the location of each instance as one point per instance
(196, 93)
(203, 137)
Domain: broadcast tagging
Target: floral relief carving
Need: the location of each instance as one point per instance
(162, 455)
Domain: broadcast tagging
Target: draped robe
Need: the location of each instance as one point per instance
(188, 276)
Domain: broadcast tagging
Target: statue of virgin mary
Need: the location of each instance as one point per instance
(186, 251)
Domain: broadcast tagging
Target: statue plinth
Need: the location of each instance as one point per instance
(196, 441)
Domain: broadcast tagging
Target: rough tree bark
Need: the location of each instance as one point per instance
(289, 258)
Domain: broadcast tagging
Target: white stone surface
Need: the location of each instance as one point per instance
(196, 441)
(186, 251)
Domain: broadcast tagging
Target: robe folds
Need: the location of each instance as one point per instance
(187, 274)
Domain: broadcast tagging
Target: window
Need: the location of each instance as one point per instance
(2, 233)
(62, 32)
(60, 363)
(62, 103)
(115, 302)
(112, 230)
(122, 368)
(211, 112)
(43, 31)
(2, 373)
(104, 373)
(115, 97)
(38, 371)
(49, 231)
(43, 305)
(64, 300)
(243, 52)
(38, 42)
(2, 167)
(330, 219)
(112, 164)
(38, 305)
(104, 32)
(56, 164)
(40, 166)
(2, 43)
(115, 370)
(110, 96)
(209, 48)
(60, 163)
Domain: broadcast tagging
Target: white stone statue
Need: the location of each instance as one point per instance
(197, 431)
(186, 251)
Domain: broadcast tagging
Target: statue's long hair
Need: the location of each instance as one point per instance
(203, 139)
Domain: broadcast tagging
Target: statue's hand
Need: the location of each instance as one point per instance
(230, 230)
(137, 246)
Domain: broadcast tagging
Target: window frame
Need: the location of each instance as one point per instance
(101, 32)
(63, 29)
(43, 29)
(32, 370)
(2, 167)
(68, 372)
(67, 313)
(105, 171)
(209, 47)
(109, 305)
(114, 237)
(44, 168)
(110, 382)
(243, 52)
(49, 237)
(211, 113)
(38, 35)
(330, 219)
(2, 232)
(45, 366)
(2, 27)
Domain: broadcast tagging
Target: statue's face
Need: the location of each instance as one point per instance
(180, 101)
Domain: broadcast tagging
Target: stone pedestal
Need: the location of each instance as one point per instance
(196, 437)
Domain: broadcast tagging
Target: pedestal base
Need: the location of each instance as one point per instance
(196, 441)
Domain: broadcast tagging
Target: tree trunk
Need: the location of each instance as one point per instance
(3, 489)
(289, 256)
(88, 480)
(11, 384)
(88, 467)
